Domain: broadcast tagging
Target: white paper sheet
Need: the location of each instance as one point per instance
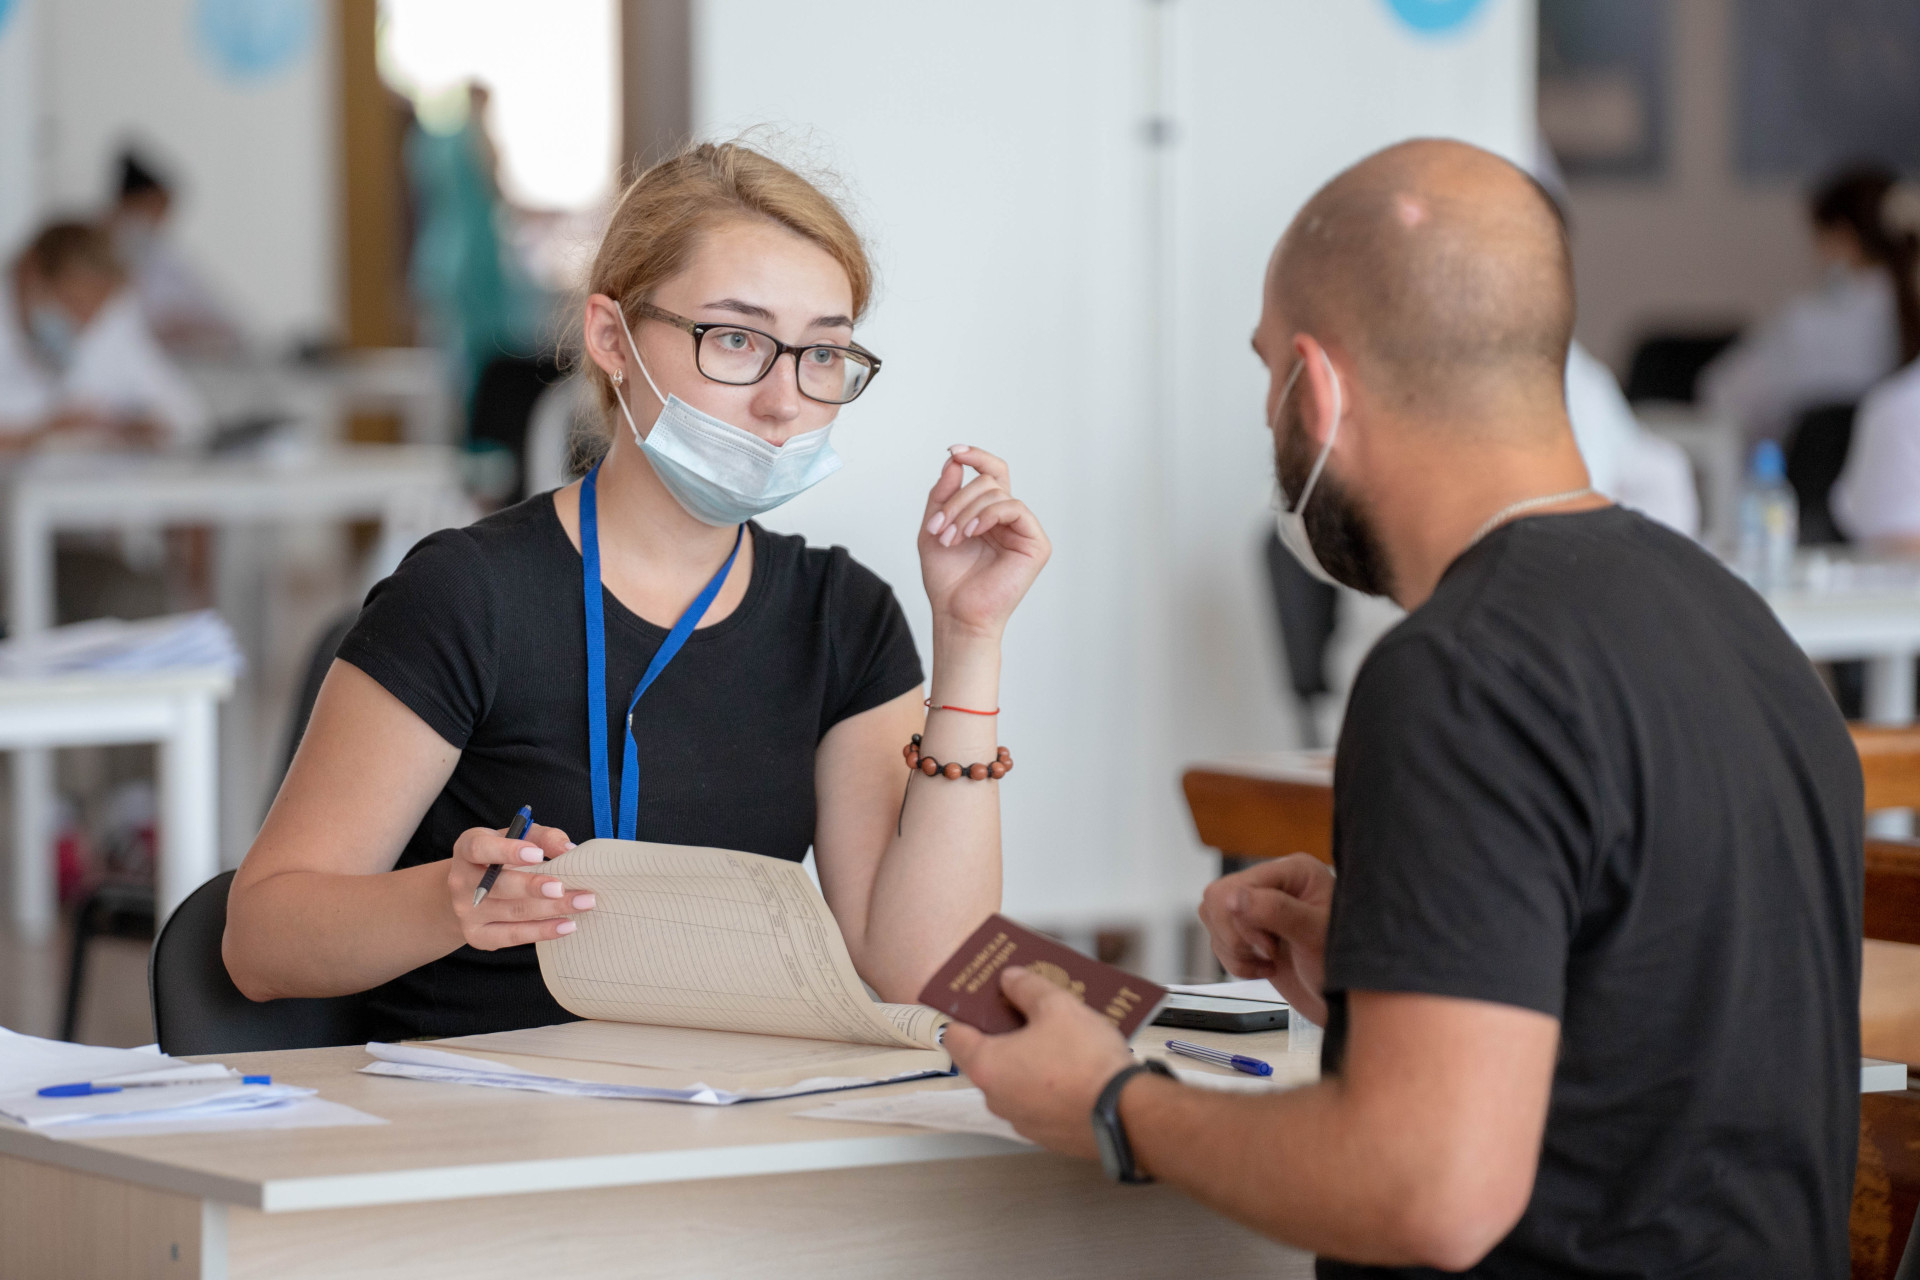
(299, 1113)
(1241, 989)
(948, 1110)
(417, 1062)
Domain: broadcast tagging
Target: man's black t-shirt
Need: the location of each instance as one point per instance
(1593, 777)
(481, 632)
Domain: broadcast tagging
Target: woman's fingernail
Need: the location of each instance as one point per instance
(553, 888)
(971, 526)
(572, 845)
(1241, 900)
(939, 518)
(583, 902)
(566, 926)
(530, 854)
(957, 449)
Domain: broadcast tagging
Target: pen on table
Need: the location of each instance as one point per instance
(1220, 1057)
(515, 829)
(86, 1088)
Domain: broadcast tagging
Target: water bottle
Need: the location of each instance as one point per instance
(1769, 522)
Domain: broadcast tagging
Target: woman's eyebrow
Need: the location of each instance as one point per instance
(759, 312)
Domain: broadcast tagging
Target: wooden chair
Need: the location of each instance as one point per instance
(1890, 764)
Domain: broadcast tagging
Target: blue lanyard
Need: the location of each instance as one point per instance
(597, 671)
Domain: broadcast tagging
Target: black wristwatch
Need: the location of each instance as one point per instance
(1116, 1153)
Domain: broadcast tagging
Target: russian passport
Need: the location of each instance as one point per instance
(967, 986)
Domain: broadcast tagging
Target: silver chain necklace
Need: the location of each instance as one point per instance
(1514, 509)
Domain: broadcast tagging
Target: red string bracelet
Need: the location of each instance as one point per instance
(967, 710)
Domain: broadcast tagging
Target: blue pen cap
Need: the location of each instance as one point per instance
(1252, 1066)
(256, 1079)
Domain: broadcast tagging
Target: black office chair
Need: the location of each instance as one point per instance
(1816, 453)
(197, 1009)
(1665, 366)
(1308, 611)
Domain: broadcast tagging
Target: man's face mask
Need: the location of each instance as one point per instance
(1332, 540)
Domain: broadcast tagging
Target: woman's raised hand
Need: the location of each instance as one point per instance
(980, 548)
(522, 906)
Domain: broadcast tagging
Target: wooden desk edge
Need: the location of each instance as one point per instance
(472, 1181)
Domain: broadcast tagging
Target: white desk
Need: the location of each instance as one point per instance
(1877, 620)
(412, 382)
(173, 708)
(411, 489)
(480, 1183)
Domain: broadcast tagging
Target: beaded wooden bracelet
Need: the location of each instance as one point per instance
(1001, 766)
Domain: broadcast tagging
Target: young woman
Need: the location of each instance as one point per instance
(719, 332)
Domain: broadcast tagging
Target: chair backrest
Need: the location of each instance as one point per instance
(1816, 453)
(1889, 764)
(197, 1009)
(1665, 366)
(1893, 891)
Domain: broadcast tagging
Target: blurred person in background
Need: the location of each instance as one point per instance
(1876, 501)
(1831, 345)
(76, 355)
(181, 309)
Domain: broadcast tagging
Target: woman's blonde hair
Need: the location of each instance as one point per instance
(661, 216)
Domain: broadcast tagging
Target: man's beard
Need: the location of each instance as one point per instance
(1343, 538)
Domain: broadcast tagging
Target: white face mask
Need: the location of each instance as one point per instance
(721, 474)
(1291, 521)
(54, 332)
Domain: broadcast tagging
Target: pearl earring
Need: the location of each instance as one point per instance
(618, 377)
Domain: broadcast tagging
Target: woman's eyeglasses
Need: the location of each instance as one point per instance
(740, 357)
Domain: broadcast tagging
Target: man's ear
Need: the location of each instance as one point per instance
(1321, 392)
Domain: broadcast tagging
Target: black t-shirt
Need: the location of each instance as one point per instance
(1593, 777)
(482, 633)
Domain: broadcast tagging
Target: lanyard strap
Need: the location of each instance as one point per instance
(597, 671)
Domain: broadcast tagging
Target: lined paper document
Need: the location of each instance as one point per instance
(682, 936)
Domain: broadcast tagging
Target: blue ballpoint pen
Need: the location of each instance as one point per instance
(515, 829)
(86, 1088)
(1220, 1057)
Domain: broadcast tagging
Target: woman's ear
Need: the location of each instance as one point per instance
(604, 338)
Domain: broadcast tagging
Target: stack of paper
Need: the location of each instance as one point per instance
(156, 1093)
(112, 645)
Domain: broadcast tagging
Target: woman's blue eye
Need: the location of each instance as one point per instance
(823, 355)
(734, 340)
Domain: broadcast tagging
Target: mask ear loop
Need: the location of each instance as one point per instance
(631, 425)
(1326, 450)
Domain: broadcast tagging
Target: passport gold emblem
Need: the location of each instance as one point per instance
(1058, 977)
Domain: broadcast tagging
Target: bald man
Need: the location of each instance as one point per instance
(1590, 970)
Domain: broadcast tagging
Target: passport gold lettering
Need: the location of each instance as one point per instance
(970, 972)
(1121, 1005)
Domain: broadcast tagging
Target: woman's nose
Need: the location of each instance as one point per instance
(776, 399)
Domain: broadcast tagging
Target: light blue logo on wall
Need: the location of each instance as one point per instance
(1433, 17)
(252, 39)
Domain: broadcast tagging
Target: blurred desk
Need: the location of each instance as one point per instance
(473, 1182)
(409, 488)
(411, 382)
(174, 708)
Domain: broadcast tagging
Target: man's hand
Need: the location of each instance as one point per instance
(1270, 921)
(1045, 1077)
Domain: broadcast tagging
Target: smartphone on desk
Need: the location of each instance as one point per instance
(1221, 1013)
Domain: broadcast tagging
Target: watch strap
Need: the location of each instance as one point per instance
(1110, 1135)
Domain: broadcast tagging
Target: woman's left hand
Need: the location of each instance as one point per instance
(980, 548)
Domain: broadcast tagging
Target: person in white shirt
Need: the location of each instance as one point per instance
(1829, 346)
(76, 356)
(1627, 462)
(184, 312)
(1876, 501)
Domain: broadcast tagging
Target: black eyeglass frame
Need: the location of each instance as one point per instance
(699, 329)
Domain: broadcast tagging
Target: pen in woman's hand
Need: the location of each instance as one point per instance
(515, 829)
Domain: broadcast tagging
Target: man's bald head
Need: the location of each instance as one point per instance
(1441, 270)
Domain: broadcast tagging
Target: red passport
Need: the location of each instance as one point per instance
(967, 987)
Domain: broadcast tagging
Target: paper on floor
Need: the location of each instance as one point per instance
(417, 1062)
(948, 1110)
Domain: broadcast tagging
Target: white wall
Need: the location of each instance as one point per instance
(19, 121)
(255, 158)
(1000, 160)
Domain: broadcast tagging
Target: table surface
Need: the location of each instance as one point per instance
(446, 1141)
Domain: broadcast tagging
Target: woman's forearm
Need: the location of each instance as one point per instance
(941, 873)
(314, 933)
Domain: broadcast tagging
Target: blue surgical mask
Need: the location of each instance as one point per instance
(54, 331)
(721, 474)
(1291, 521)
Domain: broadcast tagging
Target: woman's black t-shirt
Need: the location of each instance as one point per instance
(481, 632)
